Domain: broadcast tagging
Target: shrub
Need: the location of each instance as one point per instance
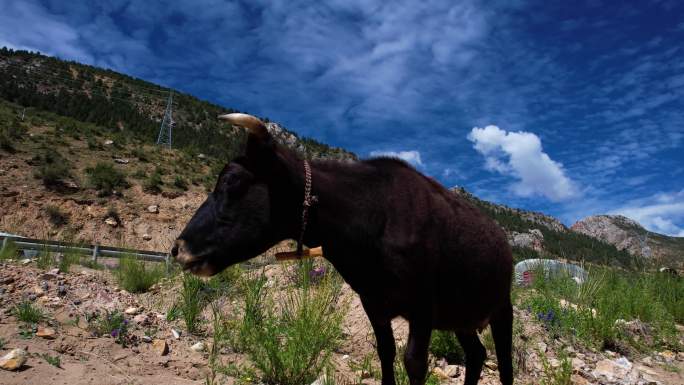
(27, 312)
(137, 276)
(180, 183)
(68, 259)
(105, 177)
(52, 168)
(444, 344)
(301, 356)
(56, 216)
(154, 182)
(45, 260)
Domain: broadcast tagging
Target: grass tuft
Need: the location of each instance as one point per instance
(28, 313)
(137, 276)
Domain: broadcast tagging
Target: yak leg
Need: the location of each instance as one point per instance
(502, 331)
(475, 355)
(384, 337)
(416, 355)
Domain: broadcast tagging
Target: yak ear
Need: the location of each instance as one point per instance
(254, 126)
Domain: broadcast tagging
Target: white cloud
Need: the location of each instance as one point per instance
(411, 156)
(520, 155)
(662, 213)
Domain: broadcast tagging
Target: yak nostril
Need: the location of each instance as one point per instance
(178, 248)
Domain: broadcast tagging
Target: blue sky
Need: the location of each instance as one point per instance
(570, 108)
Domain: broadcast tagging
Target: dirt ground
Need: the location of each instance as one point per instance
(90, 359)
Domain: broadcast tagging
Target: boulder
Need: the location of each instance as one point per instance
(14, 360)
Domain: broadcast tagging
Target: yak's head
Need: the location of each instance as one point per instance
(238, 220)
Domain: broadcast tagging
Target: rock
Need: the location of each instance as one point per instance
(26, 261)
(61, 290)
(667, 355)
(141, 319)
(132, 310)
(121, 160)
(439, 373)
(577, 364)
(111, 221)
(322, 380)
(541, 346)
(554, 362)
(146, 237)
(38, 291)
(108, 142)
(198, 347)
(154, 209)
(54, 271)
(47, 333)
(146, 339)
(452, 370)
(160, 347)
(14, 360)
(490, 364)
(611, 370)
(576, 379)
(176, 333)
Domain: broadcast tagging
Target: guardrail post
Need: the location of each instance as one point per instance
(167, 259)
(4, 244)
(96, 250)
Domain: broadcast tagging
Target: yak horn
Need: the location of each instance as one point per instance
(253, 124)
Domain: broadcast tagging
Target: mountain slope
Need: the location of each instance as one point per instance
(129, 106)
(629, 235)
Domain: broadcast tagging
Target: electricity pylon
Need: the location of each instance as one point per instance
(167, 124)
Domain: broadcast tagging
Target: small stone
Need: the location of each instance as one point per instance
(31, 297)
(54, 271)
(554, 362)
(576, 379)
(160, 347)
(131, 310)
(577, 364)
(667, 355)
(541, 346)
(141, 319)
(146, 237)
(154, 209)
(77, 301)
(362, 374)
(108, 142)
(47, 333)
(61, 290)
(121, 160)
(345, 357)
(198, 347)
(111, 221)
(44, 286)
(146, 339)
(439, 373)
(452, 370)
(14, 360)
(490, 364)
(26, 261)
(176, 333)
(38, 291)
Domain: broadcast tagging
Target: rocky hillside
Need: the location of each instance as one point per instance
(629, 235)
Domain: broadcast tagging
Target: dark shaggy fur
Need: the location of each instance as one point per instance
(404, 243)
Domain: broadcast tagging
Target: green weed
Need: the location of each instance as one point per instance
(106, 178)
(28, 313)
(192, 302)
(278, 339)
(54, 361)
(137, 276)
(10, 251)
(444, 344)
(113, 324)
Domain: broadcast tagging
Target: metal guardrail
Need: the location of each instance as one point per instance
(94, 251)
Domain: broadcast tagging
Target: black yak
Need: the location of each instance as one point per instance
(404, 243)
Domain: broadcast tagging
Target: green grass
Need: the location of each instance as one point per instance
(444, 344)
(9, 252)
(137, 276)
(45, 260)
(559, 375)
(28, 313)
(192, 302)
(153, 184)
(113, 324)
(279, 339)
(608, 295)
(52, 360)
(68, 258)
